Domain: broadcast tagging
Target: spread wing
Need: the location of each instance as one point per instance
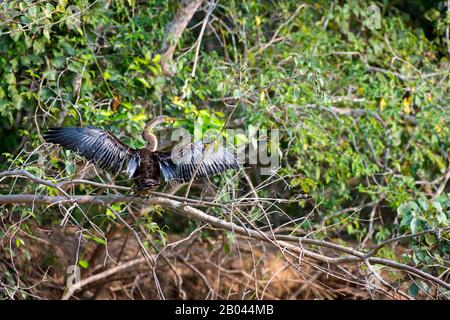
(97, 145)
(196, 159)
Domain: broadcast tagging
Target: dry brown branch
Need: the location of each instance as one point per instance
(173, 34)
(101, 275)
(442, 186)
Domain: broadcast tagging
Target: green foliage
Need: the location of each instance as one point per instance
(431, 220)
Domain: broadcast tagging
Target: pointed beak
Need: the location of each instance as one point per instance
(170, 119)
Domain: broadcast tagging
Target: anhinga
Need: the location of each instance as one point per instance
(147, 166)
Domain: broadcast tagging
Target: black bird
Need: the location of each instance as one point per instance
(148, 167)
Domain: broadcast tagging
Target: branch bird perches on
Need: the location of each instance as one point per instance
(189, 209)
(146, 166)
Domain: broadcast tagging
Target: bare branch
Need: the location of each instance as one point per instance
(193, 213)
(186, 209)
(100, 276)
(173, 34)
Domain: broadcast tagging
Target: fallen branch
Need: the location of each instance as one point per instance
(102, 275)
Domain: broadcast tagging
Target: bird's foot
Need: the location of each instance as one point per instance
(139, 192)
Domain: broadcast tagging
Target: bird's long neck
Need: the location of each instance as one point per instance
(147, 135)
(152, 142)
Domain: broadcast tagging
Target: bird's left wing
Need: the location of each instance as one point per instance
(97, 145)
(196, 160)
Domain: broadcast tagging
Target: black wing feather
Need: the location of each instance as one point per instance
(97, 145)
(196, 158)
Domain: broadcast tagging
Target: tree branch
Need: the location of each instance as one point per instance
(173, 34)
(196, 214)
(284, 242)
(101, 275)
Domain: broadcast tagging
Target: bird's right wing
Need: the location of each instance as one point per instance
(196, 160)
(97, 145)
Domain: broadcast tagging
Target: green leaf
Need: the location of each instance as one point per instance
(83, 263)
(99, 240)
(70, 168)
(110, 214)
(406, 220)
(430, 239)
(226, 247)
(295, 182)
(432, 14)
(144, 82)
(437, 206)
(442, 218)
(413, 205)
(403, 210)
(19, 242)
(46, 34)
(33, 11)
(139, 117)
(423, 204)
(414, 225)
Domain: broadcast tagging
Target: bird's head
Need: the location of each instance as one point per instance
(158, 120)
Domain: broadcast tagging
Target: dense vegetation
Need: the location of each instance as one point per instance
(363, 112)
